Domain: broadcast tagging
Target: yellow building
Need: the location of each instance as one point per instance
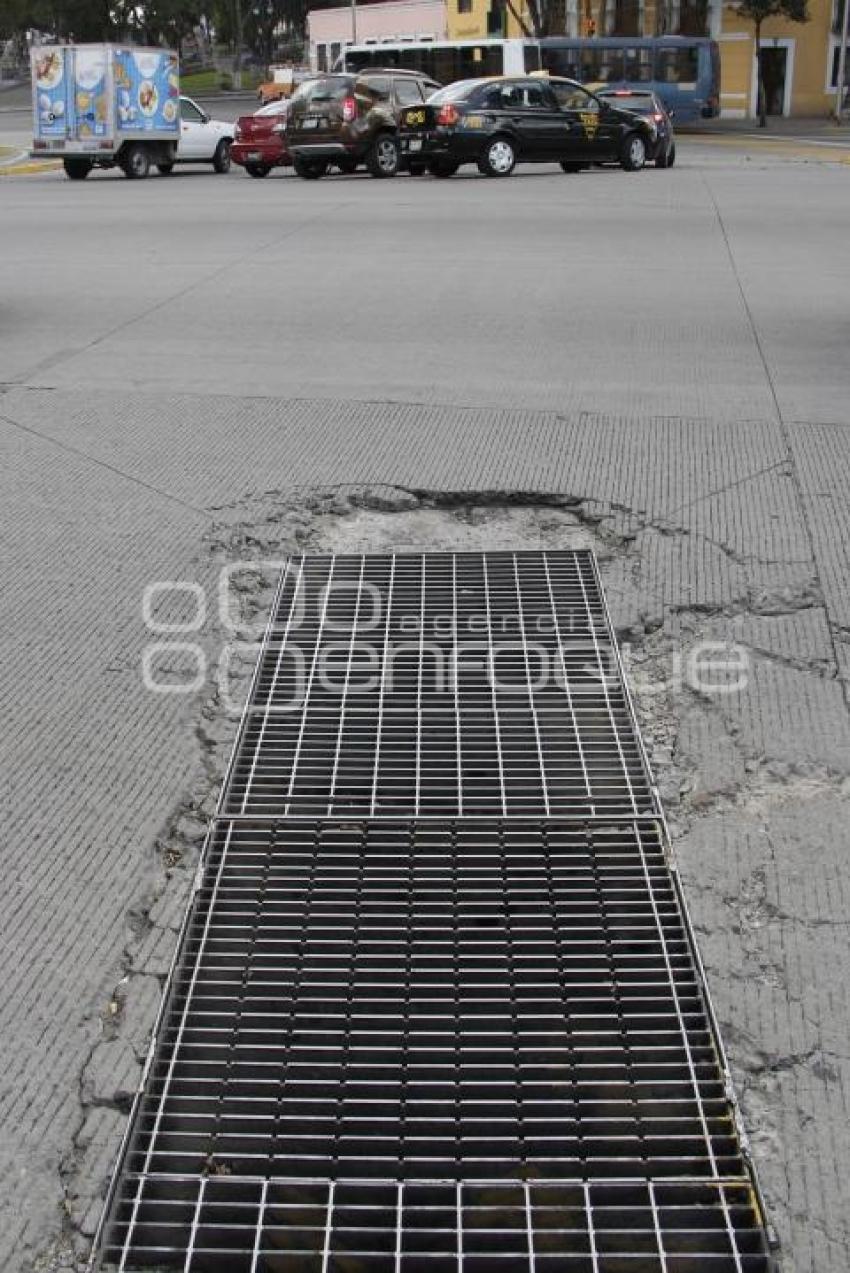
(800, 60)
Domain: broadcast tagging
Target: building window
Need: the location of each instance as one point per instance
(833, 79)
(464, 6)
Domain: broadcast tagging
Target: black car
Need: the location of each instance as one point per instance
(348, 120)
(642, 101)
(497, 123)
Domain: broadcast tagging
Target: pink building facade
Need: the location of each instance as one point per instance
(329, 29)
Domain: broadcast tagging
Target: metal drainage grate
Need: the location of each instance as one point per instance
(225, 1225)
(440, 686)
(447, 1001)
(432, 1038)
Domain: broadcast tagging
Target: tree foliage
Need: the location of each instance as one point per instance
(157, 21)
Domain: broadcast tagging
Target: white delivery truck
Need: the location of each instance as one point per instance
(98, 105)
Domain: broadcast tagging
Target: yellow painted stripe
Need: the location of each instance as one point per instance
(29, 166)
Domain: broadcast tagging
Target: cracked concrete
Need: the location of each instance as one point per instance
(742, 788)
(683, 403)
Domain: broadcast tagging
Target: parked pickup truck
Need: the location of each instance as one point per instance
(108, 105)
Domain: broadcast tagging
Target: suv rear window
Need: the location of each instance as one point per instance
(330, 89)
(407, 92)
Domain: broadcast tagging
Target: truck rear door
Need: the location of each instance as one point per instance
(50, 81)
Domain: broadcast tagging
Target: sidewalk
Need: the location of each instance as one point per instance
(778, 128)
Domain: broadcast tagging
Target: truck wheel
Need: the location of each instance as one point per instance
(166, 168)
(77, 169)
(383, 157)
(257, 170)
(221, 158)
(136, 162)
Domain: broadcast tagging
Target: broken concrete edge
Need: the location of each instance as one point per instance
(287, 522)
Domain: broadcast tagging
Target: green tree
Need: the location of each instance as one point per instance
(758, 12)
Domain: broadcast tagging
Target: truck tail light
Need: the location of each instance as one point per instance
(349, 109)
(447, 115)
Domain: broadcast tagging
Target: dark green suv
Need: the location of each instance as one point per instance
(348, 120)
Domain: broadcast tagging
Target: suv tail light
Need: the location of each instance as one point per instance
(349, 109)
(447, 115)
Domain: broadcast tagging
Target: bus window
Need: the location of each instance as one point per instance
(677, 66)
(562, 61)
(588, 67)
(638, 65)
(531, 58)
(609, 65)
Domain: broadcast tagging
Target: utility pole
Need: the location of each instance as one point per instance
(237, 65)
(842, 58)
(353, 25)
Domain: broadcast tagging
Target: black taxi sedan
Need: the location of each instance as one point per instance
(497, 123)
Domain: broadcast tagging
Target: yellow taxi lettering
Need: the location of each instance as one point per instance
(590, 123)
(474, 121)
(415, 117)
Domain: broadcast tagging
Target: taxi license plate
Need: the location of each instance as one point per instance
(311, 122)
(415, 143)
(254, 156)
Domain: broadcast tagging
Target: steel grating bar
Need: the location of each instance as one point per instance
(436, 1003)
(435, 685)
(230, 1225)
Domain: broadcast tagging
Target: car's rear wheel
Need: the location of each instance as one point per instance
(310, 169)
(77, 169)
(383, 157)
(136, 162)
(166, 168)
(221, 158)
(258, 170)
(499, 159)
(633, 155)
(443, 167)
(668, 159)
(567, 166)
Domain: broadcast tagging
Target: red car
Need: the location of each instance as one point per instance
(256, 146)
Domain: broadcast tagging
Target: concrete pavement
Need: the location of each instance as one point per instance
(202, 369)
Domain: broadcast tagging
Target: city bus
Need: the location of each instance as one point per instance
(445, 60)
(684, 71)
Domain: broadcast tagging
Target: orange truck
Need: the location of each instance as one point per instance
(282, 82)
